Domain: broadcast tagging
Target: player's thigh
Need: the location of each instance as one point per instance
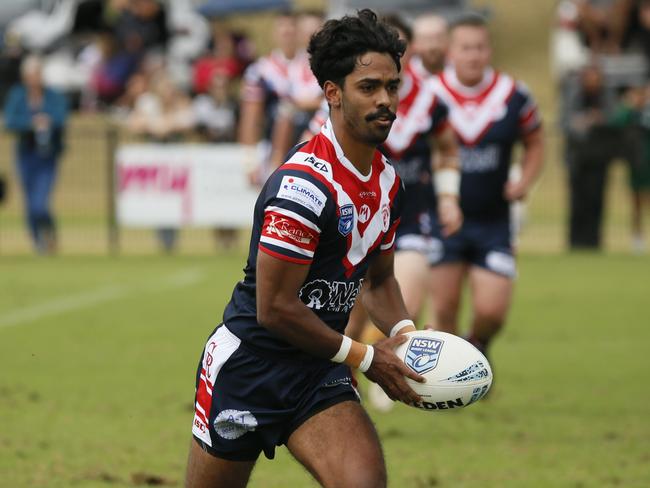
(340, 448)
(491, 294)
(446, 284)
(411, 271)
(207, 471)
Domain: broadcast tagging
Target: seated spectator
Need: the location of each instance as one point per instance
(215, 113)
(222, 58)
(113, 70)
(163, 113)
(142, 26)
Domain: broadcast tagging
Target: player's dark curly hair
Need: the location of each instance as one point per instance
(335, 48)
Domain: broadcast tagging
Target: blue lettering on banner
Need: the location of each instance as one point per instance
(346, 219)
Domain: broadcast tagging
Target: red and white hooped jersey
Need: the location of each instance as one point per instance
(318, 210)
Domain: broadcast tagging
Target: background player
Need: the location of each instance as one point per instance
(271, 374)
(490, 112)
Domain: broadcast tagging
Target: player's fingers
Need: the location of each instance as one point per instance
(409, 373)
(407, 395)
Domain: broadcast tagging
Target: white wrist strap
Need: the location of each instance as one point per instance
(447, 181)
(367, 359)
(340, 356)
(400, 325)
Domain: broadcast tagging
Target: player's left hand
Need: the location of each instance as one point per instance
(515, 190)
(449, 215)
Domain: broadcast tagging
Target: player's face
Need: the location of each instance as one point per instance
(470, 52)
(285, 34)
(369, 98)
(430, 42)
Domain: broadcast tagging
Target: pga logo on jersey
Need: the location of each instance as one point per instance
(423, 354)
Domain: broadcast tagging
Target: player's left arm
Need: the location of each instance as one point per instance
(383, 297)
(531, 165)
(446, 171)
(532, 137)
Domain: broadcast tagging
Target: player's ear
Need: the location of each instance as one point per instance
(332, 93)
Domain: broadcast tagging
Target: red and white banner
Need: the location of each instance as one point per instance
(183, 185)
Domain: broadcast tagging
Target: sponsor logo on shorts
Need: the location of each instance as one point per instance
(501, 262)
(331, 296)
(287, 229)
(302, 192)
(422, 354)
(346, 219)
(232, 424)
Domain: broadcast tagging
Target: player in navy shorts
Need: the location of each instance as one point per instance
(277, 371)
(490, 112)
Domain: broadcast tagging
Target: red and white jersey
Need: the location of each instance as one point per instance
(318, 210)
(268, 76)
(302, 82)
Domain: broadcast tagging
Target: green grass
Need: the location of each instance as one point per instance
(97, 359)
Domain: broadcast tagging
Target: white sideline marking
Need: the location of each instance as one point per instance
(95, 297)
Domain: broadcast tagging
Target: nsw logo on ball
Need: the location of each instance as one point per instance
(422, 354)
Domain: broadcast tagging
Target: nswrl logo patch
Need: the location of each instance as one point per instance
(346, 219)
(422, 354)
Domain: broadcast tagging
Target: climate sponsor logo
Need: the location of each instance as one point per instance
(330, 296)
(303, 192)
(287, 229)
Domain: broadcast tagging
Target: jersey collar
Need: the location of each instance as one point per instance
(328, 131)
(469, 91)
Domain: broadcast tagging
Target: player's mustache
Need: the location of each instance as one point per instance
(381, 113)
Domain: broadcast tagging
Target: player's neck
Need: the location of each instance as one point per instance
(360, 154)
(471, 81)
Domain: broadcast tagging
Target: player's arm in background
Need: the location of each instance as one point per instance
(446, 171)
(251, 119)
(282, 269)
(532, 137)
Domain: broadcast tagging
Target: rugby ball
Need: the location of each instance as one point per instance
(457, 373)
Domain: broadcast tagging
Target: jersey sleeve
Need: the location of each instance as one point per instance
(294, 211)
(252, 89)
(529, 117)
(388, 242)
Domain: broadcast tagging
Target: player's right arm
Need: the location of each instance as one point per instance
(250, 120)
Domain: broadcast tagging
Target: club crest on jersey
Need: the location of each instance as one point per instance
(346, 219)
(385, 217)
(422, 354)
(364, 213)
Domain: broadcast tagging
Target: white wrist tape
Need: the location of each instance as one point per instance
(447, 181)
(367, 359)
(400, 325)
(340, 356)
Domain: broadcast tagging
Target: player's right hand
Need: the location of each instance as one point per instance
(389, 371)
(449, 214)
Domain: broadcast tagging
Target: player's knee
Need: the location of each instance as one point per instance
(491, 319)
(367, 475)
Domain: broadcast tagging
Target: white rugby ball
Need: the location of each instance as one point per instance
(457, 373)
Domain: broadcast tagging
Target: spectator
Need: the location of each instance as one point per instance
(162, 114)
(142, 26)
(633, 116)
(589, 144)
(37, 115)
(215, 113)
(222, 58)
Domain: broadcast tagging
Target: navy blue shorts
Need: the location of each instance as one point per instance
(483, 243)
(246, 403)
(420, 235)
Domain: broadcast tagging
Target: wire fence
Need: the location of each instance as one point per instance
(83, 203)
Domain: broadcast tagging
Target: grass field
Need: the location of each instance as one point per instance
(97, 359)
